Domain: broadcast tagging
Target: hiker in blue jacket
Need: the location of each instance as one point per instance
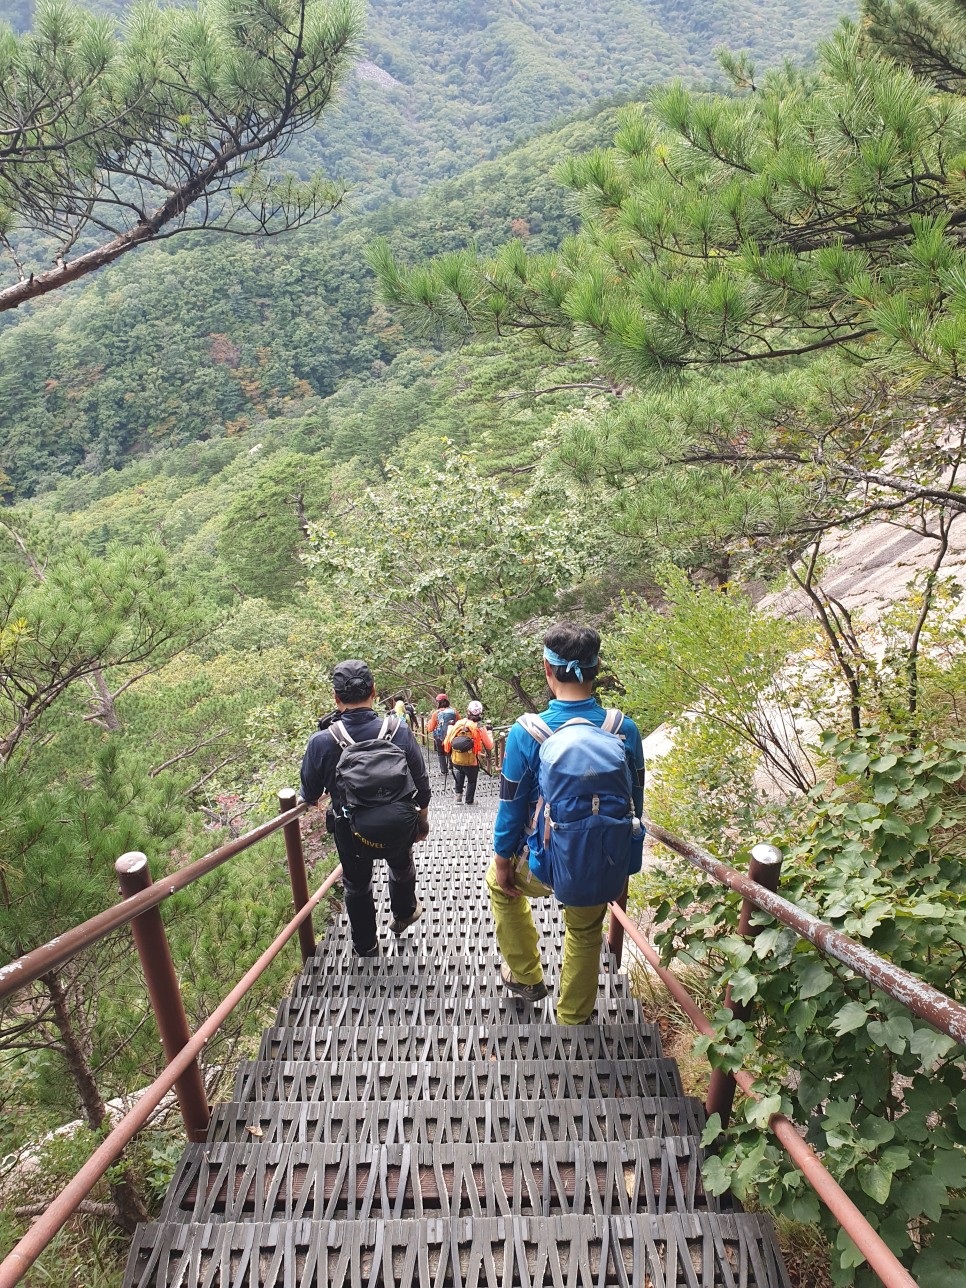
(520, 870)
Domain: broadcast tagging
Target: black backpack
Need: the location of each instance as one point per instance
(444, 719)
(376, 787)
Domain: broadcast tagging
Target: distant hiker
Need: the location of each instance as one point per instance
(466, 740)
(412, 717)
(568, 824)
(438, 725)
(399, 710)
(374, 773)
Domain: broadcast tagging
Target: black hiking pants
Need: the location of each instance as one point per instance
(444, 762)
(357, 860)
(467, 774)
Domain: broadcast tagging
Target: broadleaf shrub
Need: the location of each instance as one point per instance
(880, 1094)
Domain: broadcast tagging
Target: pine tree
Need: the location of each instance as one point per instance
(798, 241)
(108, 143)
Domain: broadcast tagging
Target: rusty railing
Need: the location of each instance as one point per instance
(758, 890)
(182, 1073)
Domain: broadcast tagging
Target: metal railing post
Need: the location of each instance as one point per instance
(615, 931)
(765, 868)
(295, 857)
(165, 994)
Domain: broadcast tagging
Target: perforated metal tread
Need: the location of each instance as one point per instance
(422, 1122)
(451, 978)
(422, 1087)
(309, 1081)
(675, 1251)
(358, 1182)
(400, 956)
(447, 1010)
(463, 1042)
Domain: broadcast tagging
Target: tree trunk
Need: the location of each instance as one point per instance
(127, 1201)
(105, 712)
(524, 697)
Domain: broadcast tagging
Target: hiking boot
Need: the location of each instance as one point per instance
(370, 952)
(526, 992)
(399, 924)
(459, 800)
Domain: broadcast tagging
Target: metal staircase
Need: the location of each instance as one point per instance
(407, 1123)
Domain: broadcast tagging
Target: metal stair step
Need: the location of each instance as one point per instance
(427, 1122)
(449, 979)
(463, 1042)
(475, 927)
(498, 1008)
(311, 1081)
(644, 1251)
(405, 955)
(292, 1182)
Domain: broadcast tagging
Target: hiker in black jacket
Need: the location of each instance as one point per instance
(355, 694)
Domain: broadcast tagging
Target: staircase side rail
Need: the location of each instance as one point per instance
(881, 1259)
(928, 1003)
(24, 970)
(25, 1253)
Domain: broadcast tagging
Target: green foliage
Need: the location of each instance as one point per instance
(210, 342)
(433, 594)
(709, 658)
(807, 228)
(878, 1092)
(75, 619)
(178, 123)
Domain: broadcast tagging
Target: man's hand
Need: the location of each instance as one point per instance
(422, 824)
(506, 877)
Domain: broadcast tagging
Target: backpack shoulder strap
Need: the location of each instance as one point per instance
(538, 729)
(613, 719)
(389, 728)
(341, 734)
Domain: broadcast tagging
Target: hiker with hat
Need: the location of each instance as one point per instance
(373, 771)
(568, 824)
(465, 742)
(438, 725)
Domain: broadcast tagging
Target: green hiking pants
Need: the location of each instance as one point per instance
(517, 937)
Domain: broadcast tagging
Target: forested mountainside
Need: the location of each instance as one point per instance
(447, 83)
(198, 339)
(189, 342)
(637, 369)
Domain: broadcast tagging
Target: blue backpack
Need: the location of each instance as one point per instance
(584, 821)
(444, 718)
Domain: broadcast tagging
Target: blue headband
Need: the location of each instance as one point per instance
(569, 664)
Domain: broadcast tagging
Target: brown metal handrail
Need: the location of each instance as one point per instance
(24, 970)
(882, 1260)
(928, 1003)
(26, 1252)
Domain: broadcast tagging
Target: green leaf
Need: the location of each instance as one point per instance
(712, 1130)
(924, 1195)
(876, 1181)
(849, 1255)
(950, 771)
(894, 1033)
(949, 1166)
(813, 979)
(853, 1015)
(931, 1046)
(760, 1112)
(716, 1177)
(744, 985)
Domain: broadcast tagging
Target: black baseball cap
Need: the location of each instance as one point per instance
(352, 680)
